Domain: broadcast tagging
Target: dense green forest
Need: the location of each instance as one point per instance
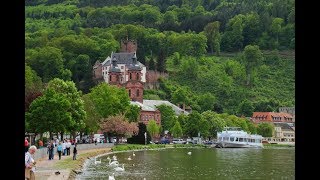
(221, 55)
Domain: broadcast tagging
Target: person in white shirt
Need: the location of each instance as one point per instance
(64, 148)
(30, 163)
(68, 145)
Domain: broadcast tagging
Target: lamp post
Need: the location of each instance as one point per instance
(145, 138)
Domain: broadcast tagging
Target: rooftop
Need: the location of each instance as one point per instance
(154, 103)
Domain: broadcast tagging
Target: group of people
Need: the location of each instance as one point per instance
(62, 148)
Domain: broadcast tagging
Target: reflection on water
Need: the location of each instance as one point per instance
(208, 163)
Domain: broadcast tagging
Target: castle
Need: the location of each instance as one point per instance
(124, 70)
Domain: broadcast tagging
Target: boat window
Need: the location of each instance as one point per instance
(237, 139)
(231, 138)
(240, 139)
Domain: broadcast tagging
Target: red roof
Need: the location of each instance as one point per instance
(271, 117)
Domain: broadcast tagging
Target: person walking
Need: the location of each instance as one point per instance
(75, 152)
(68, 146)
(40, 143)
(30, 163)
(59, 150)
(64, 149)
(26, 144)
(50, 150)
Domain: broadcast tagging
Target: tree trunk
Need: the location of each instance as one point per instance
(248, 79)
(61, 136)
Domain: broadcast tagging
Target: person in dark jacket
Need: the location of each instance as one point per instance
(75, 152)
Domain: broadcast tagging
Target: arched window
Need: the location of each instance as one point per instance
(138, 78)
(129, 92)
(138, 93)
(130, 76)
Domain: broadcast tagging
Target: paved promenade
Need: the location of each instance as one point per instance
(45, 169)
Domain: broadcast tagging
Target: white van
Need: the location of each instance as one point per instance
(98, 137)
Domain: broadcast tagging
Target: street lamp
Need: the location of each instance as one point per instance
(145, 138)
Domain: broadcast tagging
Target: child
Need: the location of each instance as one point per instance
(75, 151)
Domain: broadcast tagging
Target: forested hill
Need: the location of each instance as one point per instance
(65, 37)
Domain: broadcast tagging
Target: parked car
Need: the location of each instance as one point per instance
(165, 141)
(178, 141)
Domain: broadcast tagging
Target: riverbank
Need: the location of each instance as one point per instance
(67, 168)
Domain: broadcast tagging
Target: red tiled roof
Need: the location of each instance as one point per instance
(269, 116)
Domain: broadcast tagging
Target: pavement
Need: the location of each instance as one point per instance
(46, 169)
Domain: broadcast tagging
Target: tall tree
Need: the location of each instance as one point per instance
(68, 89)
(212, 33)
(93, 118)
(153, 128)
(252, 58)
(49, 113)
(109, 100)
(167, 116)
(176, 130)
(265, 129)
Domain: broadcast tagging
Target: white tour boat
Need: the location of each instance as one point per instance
(235, 137)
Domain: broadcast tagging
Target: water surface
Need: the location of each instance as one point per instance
(203, 163)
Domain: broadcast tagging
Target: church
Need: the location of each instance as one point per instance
(124, 70)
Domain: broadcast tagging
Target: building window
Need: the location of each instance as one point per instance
(138, 93)
(138, 78)
(130, 76)
(122, 67)
(129, 92)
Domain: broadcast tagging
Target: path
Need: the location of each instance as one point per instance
(45, 169)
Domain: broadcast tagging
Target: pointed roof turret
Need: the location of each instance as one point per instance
(114, 67)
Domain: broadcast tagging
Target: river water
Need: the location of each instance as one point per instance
(203, 163)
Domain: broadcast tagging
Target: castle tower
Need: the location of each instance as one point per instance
(128, 46)
(134, 84)
(114, 73)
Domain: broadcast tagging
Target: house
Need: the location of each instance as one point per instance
(258, 117)
(283, 132)
(290, 110)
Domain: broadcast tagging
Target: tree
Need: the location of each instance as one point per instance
(252, 58)
(93, 118)
(206, 101)
(48, 63)
(216, 123)
(109, 100)
(176, 130)
(119, 126)
(212, 33)
(49, 113)
(167, 116)
(265, 129)
(140, 138)
(276, 28)
(245, 108)
(132, 113)
(195, 124)
(153, 128)
(69, 91)
(33, 86)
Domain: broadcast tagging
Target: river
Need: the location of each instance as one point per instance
(203, 163)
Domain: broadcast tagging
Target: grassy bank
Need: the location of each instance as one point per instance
(77, 165)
